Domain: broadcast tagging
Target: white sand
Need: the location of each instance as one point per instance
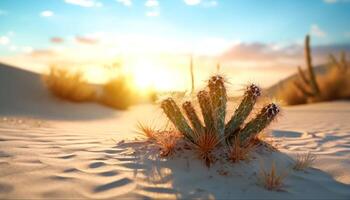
(55, 149)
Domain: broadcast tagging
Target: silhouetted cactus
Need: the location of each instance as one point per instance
(218, 98)
(309, 86)
(242, 112)
(342, 64)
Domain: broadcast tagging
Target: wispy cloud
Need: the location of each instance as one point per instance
(336, 1)
(47, 13)
(125, 2)
(316, 31)
(84, 3)
(4, 40)
(153, 13)
(152, 3)
(57, 40)
(192, 2)
(86, 40)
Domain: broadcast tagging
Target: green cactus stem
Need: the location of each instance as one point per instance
(207, 111)
(218, 97)
(242, 112)
(193, 118)
(259, 123)
(175, 116)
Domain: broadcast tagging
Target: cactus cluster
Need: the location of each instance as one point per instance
(212, 104)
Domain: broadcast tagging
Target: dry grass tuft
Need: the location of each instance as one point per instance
(68, 85)
(238, 152)
(167, 140)
(118, 94)
(147, 130)
(205, 144)
(271, 179)
(304, 161)
(290, 95)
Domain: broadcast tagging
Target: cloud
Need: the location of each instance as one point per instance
(27, 49)
(316, 31)
(152, 3)
(86, 40)
(42, 53)
(4, 40)
(84, 3)
(336, 1)
(347, 34)
(211, 3)
(192, 2)
(125, 2)
(57, 40)
(46, 13)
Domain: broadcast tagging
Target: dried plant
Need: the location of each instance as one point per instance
(238, 152)
(271, 179)
(68, 85)
(304, 161)
(149, 131)
(205, 145)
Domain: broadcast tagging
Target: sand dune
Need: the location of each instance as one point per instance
(46, 154)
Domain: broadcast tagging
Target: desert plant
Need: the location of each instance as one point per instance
(304, 161)
(342, 64)
(309, 86)
(192, 75)
(213, 108)
(205, 145)
(117, 93)
(239, 152)
(271, 179)
(68, 85)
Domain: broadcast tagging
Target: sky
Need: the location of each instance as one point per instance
(232, 32)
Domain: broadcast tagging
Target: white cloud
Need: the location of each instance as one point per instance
(154, 13)
(336, 1)
(330, 1)
(27, 49)
(316, 31)
(84, 3)
(125, 2)
(211, 3)
(4, 40)
(46, 13)
(152, 3)
(192, 2)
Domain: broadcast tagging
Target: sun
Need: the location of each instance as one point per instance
(152, 75)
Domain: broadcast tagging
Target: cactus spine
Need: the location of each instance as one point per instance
(309, 86)
(259, 123)
(218, 97)
(174, 114)
(242, 112)
(193, 118)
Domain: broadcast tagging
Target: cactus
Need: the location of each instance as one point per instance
(207, 111)
(192, 75)
(218, 97)
(259, 123)
(242, 112)
(174, 114)
(206, 136)
(193, 118)
(309, 86)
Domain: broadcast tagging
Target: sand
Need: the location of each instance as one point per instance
(55, 149)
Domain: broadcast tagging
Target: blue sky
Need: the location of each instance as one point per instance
(24, 24)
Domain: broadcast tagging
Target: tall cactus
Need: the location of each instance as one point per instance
(218, 97)
(309, 86)
(242, 112)
(342, 64)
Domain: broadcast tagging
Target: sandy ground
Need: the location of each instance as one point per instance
(54, 149)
